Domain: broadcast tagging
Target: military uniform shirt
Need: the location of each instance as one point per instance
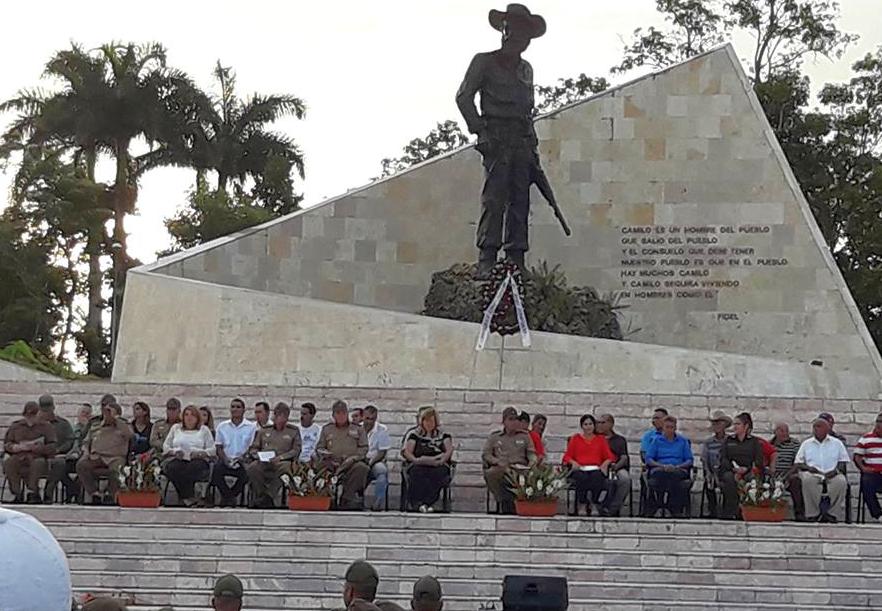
(285, 443)
(108, 441)
(341, 443)
(64, 435)
(516, 449)
(506, 91)
(20, 432)
(159, 433)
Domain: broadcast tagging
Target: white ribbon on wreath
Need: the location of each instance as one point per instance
(521, 316)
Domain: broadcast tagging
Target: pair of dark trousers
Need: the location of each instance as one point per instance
(60, 470)
(871, 484)
(508, 158)
(729, 487)
(425, 482)
(674, 484)
(184, 474)
(794, 486)
(219, 479)
(588, 481)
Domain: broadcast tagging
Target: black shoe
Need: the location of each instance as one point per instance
(228, 502)
(17, 500)
(34, 498)
(97, 499)
(47, 499)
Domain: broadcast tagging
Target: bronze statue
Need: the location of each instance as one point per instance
(506, 138)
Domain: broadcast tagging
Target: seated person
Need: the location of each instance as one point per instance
(821, 460)
(658, 416)
(710, 459)
(61, 472)
(64, 440)
(510, 448)
(619, 484)
(207, 418)
(741, 458)
(161, 427)
(427, 455)
(669, 459)
(275, 448)
(868, 458)
(29, 444)
(786, 448)
(378, 446)
(142, 427)
(309, 432)
(342, 448)
(104, 451)
(536, 432)
(188, 449)
(589, 456)
(232, 441)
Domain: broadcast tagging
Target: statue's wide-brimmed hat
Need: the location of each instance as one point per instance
(520, 14)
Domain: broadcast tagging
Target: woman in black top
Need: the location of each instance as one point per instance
(427, 453)
(142, 426)
(741, 458)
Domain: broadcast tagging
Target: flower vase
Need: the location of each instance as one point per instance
(308, 503)
(141, 499)
(764, 513)
(544, 508)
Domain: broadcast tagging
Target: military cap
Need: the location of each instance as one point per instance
(228, 586)
(362, 573)
(427, 589)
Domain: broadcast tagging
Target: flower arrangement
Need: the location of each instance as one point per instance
(308, 479)
(762, 492)
(140, 474)
(541, 482)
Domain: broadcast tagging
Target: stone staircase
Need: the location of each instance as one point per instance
(295, 561)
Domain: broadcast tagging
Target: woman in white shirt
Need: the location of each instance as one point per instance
(189, 446)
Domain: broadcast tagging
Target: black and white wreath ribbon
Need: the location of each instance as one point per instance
(524, 330)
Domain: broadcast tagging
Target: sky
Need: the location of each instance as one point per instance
(373, 75)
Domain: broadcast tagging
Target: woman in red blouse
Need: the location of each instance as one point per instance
(590, 457)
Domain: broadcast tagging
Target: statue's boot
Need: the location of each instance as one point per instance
(486, 261)
(516, 257)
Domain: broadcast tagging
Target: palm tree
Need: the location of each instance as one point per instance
(230, 137)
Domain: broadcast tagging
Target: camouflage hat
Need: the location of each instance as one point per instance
(47, 403)
(228, 586)
(427, 589)
(363, 574)
(104, 604)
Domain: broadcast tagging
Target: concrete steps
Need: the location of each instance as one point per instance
(291, 560)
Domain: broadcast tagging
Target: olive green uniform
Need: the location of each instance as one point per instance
(65, 438)
(501, 451)
(158, 434)
(335, 445)
(31, 465)
(265, 477)
(105, 450)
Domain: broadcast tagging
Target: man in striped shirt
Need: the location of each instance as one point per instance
(868, 458)
(787, 447)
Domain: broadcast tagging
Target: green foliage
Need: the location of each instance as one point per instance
(541, 482)
(446, 136)
(550, 303)
(20, 353)
(567, 91)
(212, 214)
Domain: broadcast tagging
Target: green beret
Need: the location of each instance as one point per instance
(363, 574)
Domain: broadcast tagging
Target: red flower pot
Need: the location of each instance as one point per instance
(536, 509)
(308, 503)
(142, 499)
(759, 513)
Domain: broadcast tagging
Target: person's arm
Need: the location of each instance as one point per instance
(407, 451)
(65, 440)
(759, 459)
(570, 453)
(488, 456)
(167, 446)
(623, 461)
(383, 445)
(9, 446)
(256, 443)
(156, 442)
(725, 463)
(800, 461)
(210, 449)
(293, 452)
(688, 458)
(49, 442)
(465, 96)
(650, 457)
(606, 454)
(448, 451)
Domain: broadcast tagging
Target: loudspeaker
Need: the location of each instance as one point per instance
(530, 593)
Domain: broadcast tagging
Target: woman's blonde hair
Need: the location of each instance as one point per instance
(195, 411)
(428, 411)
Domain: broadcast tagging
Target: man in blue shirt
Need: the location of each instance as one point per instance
(657, 416)
(669, 458)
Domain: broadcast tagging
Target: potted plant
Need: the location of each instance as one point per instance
(310, 487)
(139, 482)
(537, 489)
(763, 500)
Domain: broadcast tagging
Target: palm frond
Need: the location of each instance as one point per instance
(260, 110)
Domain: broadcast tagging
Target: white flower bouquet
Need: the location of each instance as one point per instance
(541, 482)
(308, 479)
(140, 474)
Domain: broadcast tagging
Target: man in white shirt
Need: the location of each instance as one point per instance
(821, 460)
(378, 445)
(309, 432)
(233, 438)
